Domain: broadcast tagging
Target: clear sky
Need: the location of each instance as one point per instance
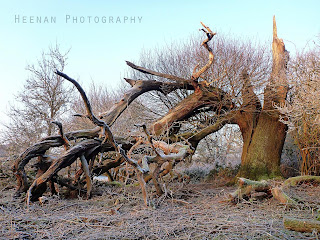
(99, 50)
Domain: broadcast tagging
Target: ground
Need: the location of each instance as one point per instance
(191, 211)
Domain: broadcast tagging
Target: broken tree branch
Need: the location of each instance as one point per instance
(139, 87)
(36, 150)
(154, 73)
(106, 130)
(65, 160)
(65, 140)
(86, 171)
(210, 35)
(247, 187)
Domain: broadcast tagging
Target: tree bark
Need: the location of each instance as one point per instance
(301, 225)
(263, 134)
(262, 150)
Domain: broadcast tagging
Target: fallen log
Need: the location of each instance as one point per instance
(301, 225)
(294, 181)
(39, 149)
(247, 187)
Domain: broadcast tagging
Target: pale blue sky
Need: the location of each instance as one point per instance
(99, 50)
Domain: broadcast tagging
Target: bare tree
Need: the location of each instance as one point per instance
(302, 111)
(44, 98)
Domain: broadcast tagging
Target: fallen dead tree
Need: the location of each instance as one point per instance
(100, 140)
(247, 188)
(205, 95)
(97, 140)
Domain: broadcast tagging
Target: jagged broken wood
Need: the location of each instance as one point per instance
(84, 150)
(102, 130)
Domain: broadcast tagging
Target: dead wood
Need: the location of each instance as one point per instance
(104, 127)
(248, 187)
(294, 181)
(138, 87)
(65, 140)
(202, 96)
(86, 171)
(281, 196)
(210, 34)
(65, 160)
(39, 149)
(105, 168)
(301, 225)
(36, 150)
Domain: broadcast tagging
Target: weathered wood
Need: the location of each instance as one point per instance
(293, 181)
(105, 128)
(281, 196)
(188, 107)
(138, 87)
(65, 160)
(36, 150)
(263, 134)
(113, 164)
(86, 171)
(158, 74)
(301, 225)
(65, 140)
(247, 187)
(210, 34)
(39, 149)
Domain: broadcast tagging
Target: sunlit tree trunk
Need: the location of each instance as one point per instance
(263, 133)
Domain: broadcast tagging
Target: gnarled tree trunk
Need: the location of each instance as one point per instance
(263, 133)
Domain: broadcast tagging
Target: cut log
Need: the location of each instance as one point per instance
(301, 225)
